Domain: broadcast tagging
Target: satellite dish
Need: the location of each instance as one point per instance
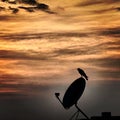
(74, 92)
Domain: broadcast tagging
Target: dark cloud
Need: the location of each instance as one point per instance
(113, 32)
(35, 6)
(19, 55)
(118, 8)
(9, 1)
(4, 17)
(73, 51)
(42, 7)
(26, 36)
(28, 9)
(31, 2)
(109, 66)
(6, 78)
(9, 17)
(2, 8)
(103, 10)
(108, 62)
(14, 84)
(14, 10)
(89, 2)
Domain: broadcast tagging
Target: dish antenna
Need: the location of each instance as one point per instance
(73, 93)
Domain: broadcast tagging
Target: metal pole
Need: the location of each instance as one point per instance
(81, 111)
(75, 114)
(57, 96)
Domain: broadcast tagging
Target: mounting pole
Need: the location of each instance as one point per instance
(82, 112)
(57, 96)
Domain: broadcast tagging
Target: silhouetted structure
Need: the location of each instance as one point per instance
(105, 116)
(73, 93)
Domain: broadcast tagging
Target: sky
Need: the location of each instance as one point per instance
(43, 42)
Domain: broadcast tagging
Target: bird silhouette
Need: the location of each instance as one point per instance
(82, 73)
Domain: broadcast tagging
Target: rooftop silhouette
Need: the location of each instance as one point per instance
(72, 95)
(104, 116)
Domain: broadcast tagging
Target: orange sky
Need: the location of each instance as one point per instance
(40, 48)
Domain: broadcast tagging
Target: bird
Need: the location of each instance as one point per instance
(74, 92)
(82, 73)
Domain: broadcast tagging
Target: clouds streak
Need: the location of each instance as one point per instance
(112, 32)
(34, 6)
(26, 36)
(96, 2)
(20, 55)
(15, 84)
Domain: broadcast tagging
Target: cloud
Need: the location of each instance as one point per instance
(34, 6)
(103, 10)
(5, 17)
(16, 84)
(106, 67)
(42, 7)
(14, 10)
(118, 8)
(77, 51)
(89, 2)
(6, 78)
(9, 1)
(31, 2)
(50, 35)
(2, 8)
(28, 9)
(113, 32)
(108, 62)
(20, 55)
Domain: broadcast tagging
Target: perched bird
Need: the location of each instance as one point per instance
(82, 73)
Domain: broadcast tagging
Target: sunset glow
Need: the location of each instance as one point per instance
(40, 48)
